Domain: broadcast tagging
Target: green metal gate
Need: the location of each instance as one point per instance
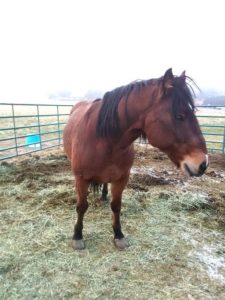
(212, 122)
(27, 128)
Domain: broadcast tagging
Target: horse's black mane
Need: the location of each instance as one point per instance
(182, 94)
(108, 123)
(108, 120)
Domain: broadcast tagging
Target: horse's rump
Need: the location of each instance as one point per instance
(72, 127)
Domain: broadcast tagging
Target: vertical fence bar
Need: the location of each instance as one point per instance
(39, 126)
(14, 129)
(223, 150)
(58, 124)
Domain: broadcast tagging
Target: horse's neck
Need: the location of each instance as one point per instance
(133, 121)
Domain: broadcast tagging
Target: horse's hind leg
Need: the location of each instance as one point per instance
(104, 192)
(81, 207)
(117, 190)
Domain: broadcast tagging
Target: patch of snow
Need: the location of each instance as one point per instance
(215, 264)
(210, 257)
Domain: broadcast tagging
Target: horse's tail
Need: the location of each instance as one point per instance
(96, 187)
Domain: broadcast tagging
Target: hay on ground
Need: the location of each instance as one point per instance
(174, 227)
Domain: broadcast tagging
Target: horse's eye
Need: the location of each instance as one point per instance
(180, 117)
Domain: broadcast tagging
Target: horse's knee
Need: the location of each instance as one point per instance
(82, 207)
(116, 207)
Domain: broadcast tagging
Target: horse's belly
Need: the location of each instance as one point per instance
(112, 173)
(109, 174)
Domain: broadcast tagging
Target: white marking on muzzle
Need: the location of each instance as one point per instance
(191, 163)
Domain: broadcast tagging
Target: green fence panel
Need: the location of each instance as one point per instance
(212, 122)
(27, 128)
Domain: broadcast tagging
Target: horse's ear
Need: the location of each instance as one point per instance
(183, 77)
(168, 79)
(183, 74)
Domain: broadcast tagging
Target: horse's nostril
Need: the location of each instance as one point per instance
(203, 167)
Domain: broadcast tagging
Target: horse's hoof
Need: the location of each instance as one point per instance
(103, 200)
(78, 244)
(121, 243)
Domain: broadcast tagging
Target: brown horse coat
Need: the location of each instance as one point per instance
(99, 135)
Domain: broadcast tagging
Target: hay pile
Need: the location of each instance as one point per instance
(174, 228)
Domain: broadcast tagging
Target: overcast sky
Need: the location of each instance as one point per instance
(50, 46)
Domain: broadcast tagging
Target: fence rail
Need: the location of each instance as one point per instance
(27, 128)
(212, 122)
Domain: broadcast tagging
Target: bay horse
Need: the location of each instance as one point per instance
(99, 136)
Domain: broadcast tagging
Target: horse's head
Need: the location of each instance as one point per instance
(171, 124)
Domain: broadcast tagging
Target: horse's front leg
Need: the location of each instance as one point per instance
(81, 207)
(117, 190)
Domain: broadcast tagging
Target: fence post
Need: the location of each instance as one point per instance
(58, 125)
(14, 129)
(39, 125)
(223, 140)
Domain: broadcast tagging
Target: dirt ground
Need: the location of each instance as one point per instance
(153, 166)
(175, 226)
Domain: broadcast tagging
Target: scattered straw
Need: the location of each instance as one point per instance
(171, 228)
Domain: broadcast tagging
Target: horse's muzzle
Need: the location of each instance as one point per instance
(194, 169)
(201, 169)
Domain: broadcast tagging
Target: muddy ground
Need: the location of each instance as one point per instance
(175, 226)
